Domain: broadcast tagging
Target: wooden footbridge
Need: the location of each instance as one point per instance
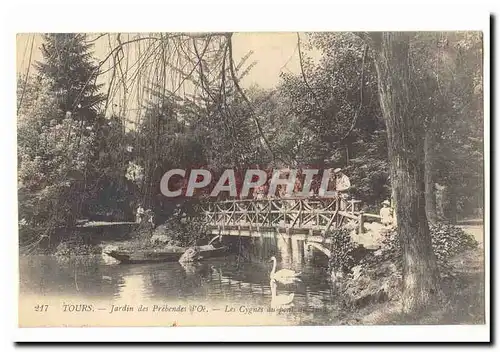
(298, 218)
(303, 219)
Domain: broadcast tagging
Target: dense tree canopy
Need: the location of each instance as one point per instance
(78, 151)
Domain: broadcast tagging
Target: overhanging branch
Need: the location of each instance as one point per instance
(240, 91)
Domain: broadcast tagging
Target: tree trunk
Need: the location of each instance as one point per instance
(393, 204)
(440, 201)
(451, 209)
(406, 155)
(430, 194)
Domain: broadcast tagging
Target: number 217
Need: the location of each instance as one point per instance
(41, 307)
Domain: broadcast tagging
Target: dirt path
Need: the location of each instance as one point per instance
(475, 230)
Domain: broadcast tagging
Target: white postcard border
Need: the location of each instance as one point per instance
(259, 16)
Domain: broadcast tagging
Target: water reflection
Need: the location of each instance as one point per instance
(234, 279)
(132, 288)
(280, 301)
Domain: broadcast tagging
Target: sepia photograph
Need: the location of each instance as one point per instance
(210, 179)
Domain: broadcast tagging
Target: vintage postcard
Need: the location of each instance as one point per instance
(195, 179)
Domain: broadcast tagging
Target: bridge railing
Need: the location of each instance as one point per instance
(321, 214)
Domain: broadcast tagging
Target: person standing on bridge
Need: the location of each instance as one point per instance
(342, 182)
(342, 185)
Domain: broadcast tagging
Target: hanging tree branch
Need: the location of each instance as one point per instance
(358, 111)
(304, 75)
(27, 75)
(103, 61)
(205, 85)
(189, 74)
(240, 91)
(356, 115)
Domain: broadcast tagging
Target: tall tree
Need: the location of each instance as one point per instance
(52, 159)
(405, 131)
(72, 73)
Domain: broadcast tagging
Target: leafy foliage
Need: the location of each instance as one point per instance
(378, 276)
(343, 249)
(72, 248)
(52, 157)
(62, 142)
(330, 115)
(447, 241)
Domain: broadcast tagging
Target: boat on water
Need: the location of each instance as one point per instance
(168, 254)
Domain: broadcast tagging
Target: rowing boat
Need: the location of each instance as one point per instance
(169, 254)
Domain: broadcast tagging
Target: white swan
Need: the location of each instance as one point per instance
(280, 300)
(285, 276)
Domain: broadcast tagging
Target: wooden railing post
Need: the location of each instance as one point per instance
(361, 222)
(284, 207)
(256, 206)
(316, 211)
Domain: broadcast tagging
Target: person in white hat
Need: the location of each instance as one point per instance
(386, 213)
(342, 185)
(342, 182)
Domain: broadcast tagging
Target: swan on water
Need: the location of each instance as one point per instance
(280, 300)
(285, 276)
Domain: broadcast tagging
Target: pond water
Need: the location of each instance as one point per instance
(234, 290)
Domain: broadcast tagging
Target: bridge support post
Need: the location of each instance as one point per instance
(297, 251)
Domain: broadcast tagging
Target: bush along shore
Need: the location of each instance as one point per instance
(72, 243)
(175, 232)
(372, 286)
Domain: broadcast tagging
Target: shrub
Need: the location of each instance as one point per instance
(176, 231)
(378, 277)
(68, 249)
(447, 241)
(343, 249)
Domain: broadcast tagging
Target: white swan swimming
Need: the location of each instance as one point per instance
(285, 276)
(280, 300)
